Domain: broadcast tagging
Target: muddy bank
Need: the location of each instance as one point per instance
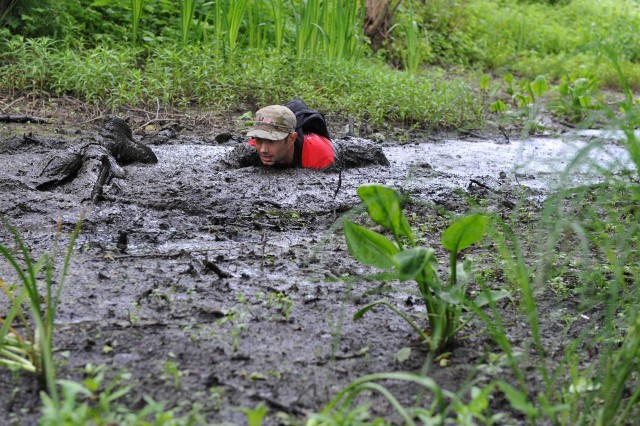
(239, 277)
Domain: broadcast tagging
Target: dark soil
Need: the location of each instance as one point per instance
(181, 263)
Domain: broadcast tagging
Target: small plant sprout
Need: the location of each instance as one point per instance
(256, 415)
(280, 304)
(173, 371)
(444, 301)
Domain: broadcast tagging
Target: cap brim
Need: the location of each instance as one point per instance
(273, 135)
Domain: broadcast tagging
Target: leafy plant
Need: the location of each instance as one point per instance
(444, 301)
(575, 98)
(281, 304)
(98, 401)
(34, 351)
(256, 415)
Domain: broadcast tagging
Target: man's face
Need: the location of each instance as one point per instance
(274, 152)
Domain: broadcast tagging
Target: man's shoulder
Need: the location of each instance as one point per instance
(314, 138)
(317, 151)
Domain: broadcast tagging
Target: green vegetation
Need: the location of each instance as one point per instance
(444, 65)
(34, 351)
(444, 302)
(194, 53)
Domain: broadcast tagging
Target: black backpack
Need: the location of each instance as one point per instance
(307, 121)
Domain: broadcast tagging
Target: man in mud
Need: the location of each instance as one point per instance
(280, 140)
(277, 143)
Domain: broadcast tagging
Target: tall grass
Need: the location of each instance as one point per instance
(586, 248)
(279, 18)
(187, 9)
(308, 19)
(201, 75)
(136, 13)
(235, 14)
(344, 35)
(34, 351)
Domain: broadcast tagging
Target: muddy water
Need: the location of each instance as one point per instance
(204, 249)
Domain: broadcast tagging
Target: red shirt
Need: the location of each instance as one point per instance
(317, 151)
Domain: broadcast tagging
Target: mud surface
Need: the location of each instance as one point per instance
(185, 263)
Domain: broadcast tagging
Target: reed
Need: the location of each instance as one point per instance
(235, 14)
(308, 19)
(279, 19)
(136, 13)
(343, 29)
(187, 9)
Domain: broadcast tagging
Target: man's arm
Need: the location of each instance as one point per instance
(243, 155)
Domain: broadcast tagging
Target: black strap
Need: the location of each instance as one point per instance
(297, 148)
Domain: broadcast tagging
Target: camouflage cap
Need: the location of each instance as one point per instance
(274, 122)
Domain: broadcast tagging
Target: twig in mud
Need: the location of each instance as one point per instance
(215, 268)
(504, 133)
(91, 119)
(151, 255)
(22, 119)
(506, 202)
(10, 104)
(155, 120)
(473, 181)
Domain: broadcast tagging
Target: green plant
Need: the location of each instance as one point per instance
(444, 301)
(34, 352)
(99, 401)
(235, 14)
(137, 6)
(575, 98)
(237, 317)
(187, 9)
(256, 415)
(281, 304)
(172, 370)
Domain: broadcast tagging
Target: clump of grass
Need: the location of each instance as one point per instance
(34, 351)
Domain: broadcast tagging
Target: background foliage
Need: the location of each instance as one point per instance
(196, 52)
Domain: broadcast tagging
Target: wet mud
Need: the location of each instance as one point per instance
(241, 278)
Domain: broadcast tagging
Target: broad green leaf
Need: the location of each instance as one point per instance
(464, 232)
(256, 415)
(369, 247)
(498, 106)
(383, 205)
(453, 296)
(485, 79)
(491, 296)
(508, 78)
(539, 86)
(494, 89)
(412, 261)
